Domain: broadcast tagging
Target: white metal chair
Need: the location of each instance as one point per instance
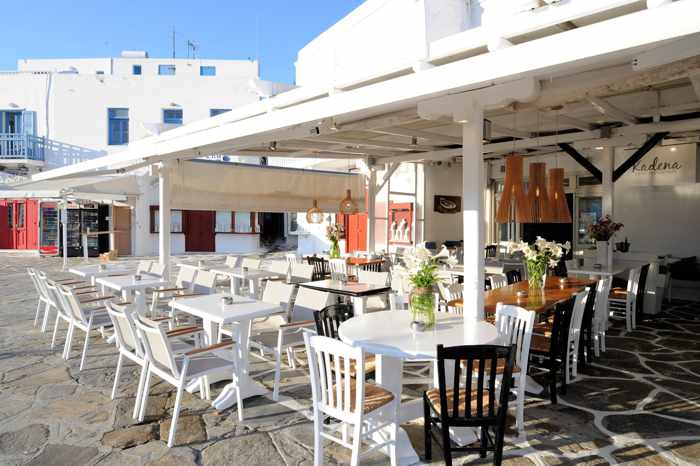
(178, 370)
(498, 281)
(62, 313)
(184, 282)
(364, 407)
(450, 292)
(293, 258)
(601, 314)
(375, 303)
(233, 261)
(302, 271)
(157, 269)
(339, 269)
(144, 266)
(572, 345)
(626, 300)
(514, 325)
(204, 283)
(251, 263)
(280, 269)
(40, 282)
(400, 287)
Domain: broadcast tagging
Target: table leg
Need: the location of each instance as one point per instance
(140, 301)
(234, 286)
(359, 304)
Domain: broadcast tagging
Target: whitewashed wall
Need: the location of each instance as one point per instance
(447, 181)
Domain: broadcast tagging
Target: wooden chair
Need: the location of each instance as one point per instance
(450, 292)
(601, 314)
(514, 325)
(575, 334)
(178, 370)
(361, 406)
(585, 347)
(491, 250)
(252, 263)
(233, 261)
(478, 405)
(498, 281)
(157, 269)
(513, 276)
(625, 300)
(321, 268)
(144, 266)
(339, 269)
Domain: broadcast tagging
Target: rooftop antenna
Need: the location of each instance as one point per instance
(173, 41)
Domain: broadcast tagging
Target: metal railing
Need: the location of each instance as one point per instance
(21, 146)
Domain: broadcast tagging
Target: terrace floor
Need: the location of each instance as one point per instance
(638, 404)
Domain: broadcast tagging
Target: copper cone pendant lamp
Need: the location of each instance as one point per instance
(314, 214)
(347, 205)
(559, 209)
(537, 194)
(513, 204)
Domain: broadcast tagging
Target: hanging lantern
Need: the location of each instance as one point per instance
(537, 194)
(347, 205)
(558, 207)
(314, 214)
(513, 204)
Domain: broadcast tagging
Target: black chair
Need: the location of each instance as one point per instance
(491, 250)
(329, 319)
(548, 353)
(476, 405)
(513, 276)
(321, 267)
(586, 342)
(560, 269)
(641, 292)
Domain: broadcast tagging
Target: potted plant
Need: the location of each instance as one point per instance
(422, 268)
(602, 232)
(539, 256)
(333, 234)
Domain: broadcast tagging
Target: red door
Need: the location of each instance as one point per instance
(6, 239)
(356, 232)
(199, 230)
(32, 224)
(19, 229)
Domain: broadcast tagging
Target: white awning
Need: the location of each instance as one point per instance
(89, 188)
(203, 185)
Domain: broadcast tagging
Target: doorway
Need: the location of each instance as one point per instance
(199, 230)
(121, 224)
(271, 228)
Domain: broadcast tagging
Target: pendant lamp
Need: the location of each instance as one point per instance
(537, 194)
(314, 214)
(558, 208)
(347, 205)
(513, 205)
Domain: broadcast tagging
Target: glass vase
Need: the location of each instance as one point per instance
(335, 250)
(422, 305)
(536, 276)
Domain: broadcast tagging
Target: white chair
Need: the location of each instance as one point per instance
(204, 283)
(157, 269)
(178, 370)
(251, 263)
(498, 281)
(450, 292)
(85, 318)
(572, 345)
(339, 269)
(601, 314)
(302, 272)
(278, 268)
(62, 313)
(144, 266)
(514, 325)
(184, 282)
(233, 261)
(494, 269)
(400, 287)
(40, 281)
(130, 346)
(626, 300)
(362, 406)
(375, 303)
(293, 258)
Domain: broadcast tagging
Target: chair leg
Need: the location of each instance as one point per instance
(176, 411)
(278, 369)
(144, 396)
(45, 320)
(55, 331)
(38, 311)
(393, 447)
(85, 345)
(116, 374)
(498, 447)
(484, 443)
(553, 383)
(356, 442)
(139, 391)
(446, 445)
(318, 440)
(68, 342)
(426, 431)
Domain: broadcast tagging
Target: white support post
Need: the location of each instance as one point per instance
(473, 211)
(164, 217)
(371, 210)
(64, 222)
(608, 186)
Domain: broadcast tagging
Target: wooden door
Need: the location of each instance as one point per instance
(121, 224)
(19, 229)
(356, 232)
(32, 224)
(5, 222)
(199, 230)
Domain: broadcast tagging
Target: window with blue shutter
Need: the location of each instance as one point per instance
(118, 126)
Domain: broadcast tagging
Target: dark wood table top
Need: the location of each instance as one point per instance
(360, 261)
(353, 289)
(554, 292)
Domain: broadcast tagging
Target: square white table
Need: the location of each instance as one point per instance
(239, 275)
(132, 289)
(214, 313)
(92, 272)
(359, 292)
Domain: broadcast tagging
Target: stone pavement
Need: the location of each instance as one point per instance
(638, 404)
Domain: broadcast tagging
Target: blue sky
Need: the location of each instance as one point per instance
(274, 30)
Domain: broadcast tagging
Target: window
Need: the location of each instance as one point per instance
(175, 220)
(172, 116)
(118, 126)
(166, 70)
(218, 111)
(207, 70)
(136, 70)
(243, 222)
(10, 219)
(223, 221)
(20, 215)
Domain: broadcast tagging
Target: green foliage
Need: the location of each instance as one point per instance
(425, 276)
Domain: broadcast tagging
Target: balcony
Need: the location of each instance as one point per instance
(21, 153)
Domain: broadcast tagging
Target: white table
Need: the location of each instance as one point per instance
(359, 292)
(238, 275)
(93, 272)
(387, 334)
(213, 314)
(604, 271)
(132, 289)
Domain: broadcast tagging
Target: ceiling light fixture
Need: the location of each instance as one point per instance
(558, 207)
(273, 146)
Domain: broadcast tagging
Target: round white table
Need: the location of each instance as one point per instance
(388, 335)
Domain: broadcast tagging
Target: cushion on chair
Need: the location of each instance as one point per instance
(375, 397)
(500, 367)
(617, 293)
(434, 398)
(370, 365)
(540, 343)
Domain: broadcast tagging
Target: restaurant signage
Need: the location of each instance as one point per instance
(662, 166)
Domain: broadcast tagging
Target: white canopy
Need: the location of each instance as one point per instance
(201, 184)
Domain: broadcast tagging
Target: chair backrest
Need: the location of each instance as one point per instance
(233, 261)
(570, 265)
(72, 304)
(278, 293)
(185, 277)
(514, 325)
(157, 345)
(292, 258)
(589, 308)
(32, 276)
(373, 278)
(632, 286)
(204, 282)
(303, 271)
(601, 308)
(281, 267)
(320, 265)
(513, 276)
(339, 269)
(493, 269)
(475, 369)
(498, 281)
(330, 317)
(491, 250)
(157, 269)
(641, 288)
(307, 301)
(144, 266)
(579, 309)
(331, 383)
(450, 292)
(54, 295)
(124, 329)
(563, 311)
(41, 283)
(251, 263)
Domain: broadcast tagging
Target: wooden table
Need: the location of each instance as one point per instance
(365, 263)
(359, 292)
(553, 293)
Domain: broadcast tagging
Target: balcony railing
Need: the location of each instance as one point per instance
(21, 146)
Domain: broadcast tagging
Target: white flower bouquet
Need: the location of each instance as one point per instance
(539, 256)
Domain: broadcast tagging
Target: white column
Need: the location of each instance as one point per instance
(608, 187)
(164, 217)
(371, 210)
(473, 205)
(64, 222)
